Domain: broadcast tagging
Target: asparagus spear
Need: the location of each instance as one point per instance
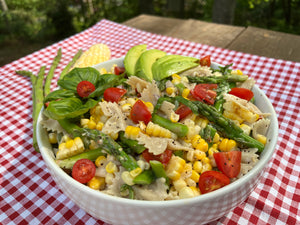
(180, 129)
(51, 73)
(70, 64)
(106, 143)
(69, 162)
(37, 97)
(227, 126)
(218, 79)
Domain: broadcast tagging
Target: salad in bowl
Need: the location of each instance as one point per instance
(154, 126)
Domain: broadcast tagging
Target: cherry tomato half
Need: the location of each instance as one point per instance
(164, 157)
(205, 92)
(119, 70)
(83, 170)
(114, 94)
(140, 112)
(212, 180)
(85, 88)
(205, 61)
(242, 93)
(229, 163)
(183, 111)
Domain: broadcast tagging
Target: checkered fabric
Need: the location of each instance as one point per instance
(28, 194)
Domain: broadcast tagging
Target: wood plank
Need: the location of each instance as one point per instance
(153, 24)
(268, 43)
(218, 35)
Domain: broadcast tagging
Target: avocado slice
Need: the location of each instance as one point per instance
(132, 57)
(143, 67)
(170, 64)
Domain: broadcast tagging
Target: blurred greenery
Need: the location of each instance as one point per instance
(36, 23)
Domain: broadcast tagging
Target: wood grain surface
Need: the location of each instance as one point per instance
(250, 40)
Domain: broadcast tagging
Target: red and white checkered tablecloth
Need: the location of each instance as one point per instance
(29, 195)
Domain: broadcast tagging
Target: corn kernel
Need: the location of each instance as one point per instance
(195, 176)
(84, 122)
(206, 167)
(127, 178)
(170, 90)
(97, 183)
(174, 117)
(52, 138)
(186, 192)
(245, 128)
(227, 145)
(198, 166)
(176, 76)
(149, 106)
(205, 160)
(190, 182)
(100, 160)
(179, 184)
(69, 143)
(132, 132)
(109, 178)
(103, 71)
(262, 139)
(91, 124)
(216, 138)
(134, 173)
(195, 190)
(185, 92)
(126, 107)
(111, 167)
(175, 167)
(99, 126)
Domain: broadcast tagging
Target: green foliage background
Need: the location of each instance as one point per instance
(36, 20)
(37, 23)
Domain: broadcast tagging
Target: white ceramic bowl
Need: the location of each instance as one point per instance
(197, 210)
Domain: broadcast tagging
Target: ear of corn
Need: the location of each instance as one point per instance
(158, 131)
(70, 148)
(95, 54)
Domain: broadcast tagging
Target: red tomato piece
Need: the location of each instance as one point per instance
(205, 92)
(83, 170)
(140, 112)
(242, 93)
(229, 163)
(205, 61)
(85, 88)
(114, 94)
(183, 111)
(212, 180)
(164, 157)
(119, 70)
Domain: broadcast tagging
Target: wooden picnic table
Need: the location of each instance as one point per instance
(250, 40)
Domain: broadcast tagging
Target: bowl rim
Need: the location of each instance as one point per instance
(48, 157)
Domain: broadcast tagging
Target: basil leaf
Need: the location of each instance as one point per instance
(75, 76)
(68, 108)
(59, 94)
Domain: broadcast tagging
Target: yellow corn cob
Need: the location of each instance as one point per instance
(175, 167)
(227, 145)
(157, 131)
(70, 148)
(95, 54)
